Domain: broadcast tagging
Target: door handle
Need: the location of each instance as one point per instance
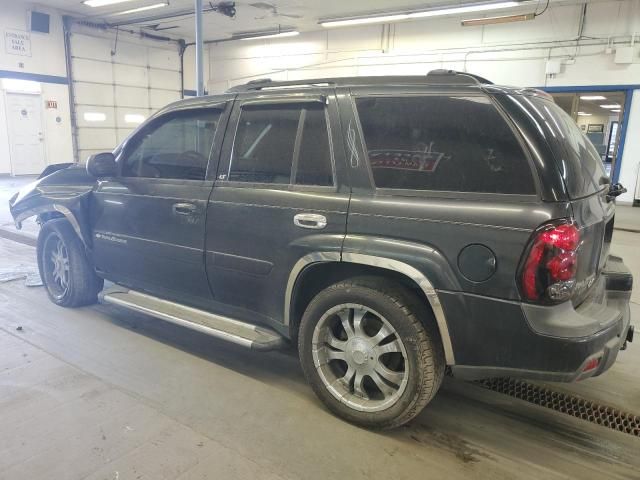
(310, 220)
(183, 208)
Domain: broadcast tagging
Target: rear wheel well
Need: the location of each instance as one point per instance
(318, 276)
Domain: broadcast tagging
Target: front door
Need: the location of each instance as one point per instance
(26, 139)
(150, 220)
(280, 194)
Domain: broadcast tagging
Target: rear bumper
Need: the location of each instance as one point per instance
(553, 343)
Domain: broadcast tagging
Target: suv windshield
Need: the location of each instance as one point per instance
(577, 158)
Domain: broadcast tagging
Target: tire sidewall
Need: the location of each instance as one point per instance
(83, 282)
(407, 330)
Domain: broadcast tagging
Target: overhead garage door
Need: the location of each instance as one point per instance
(114, 92)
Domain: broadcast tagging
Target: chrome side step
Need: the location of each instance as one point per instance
(224, 328)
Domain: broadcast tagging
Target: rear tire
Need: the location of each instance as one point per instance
(65, 270)
(370, 351)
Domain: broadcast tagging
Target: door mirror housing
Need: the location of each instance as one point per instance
(102, 165)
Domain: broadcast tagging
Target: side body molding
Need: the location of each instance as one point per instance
(380, 262)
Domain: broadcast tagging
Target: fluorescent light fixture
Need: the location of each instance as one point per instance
(474, 22)
(592, 97)
(584, 114)
(142, 9)
(94, 116)
(613, 105)
(260, 35)
(411, 14)
(21, 86)
(103, 3)
(616, 110)
(136, 118)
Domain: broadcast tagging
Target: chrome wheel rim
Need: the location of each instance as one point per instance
(360, 357)
(56, 260)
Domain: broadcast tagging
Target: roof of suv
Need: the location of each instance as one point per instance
(435, 78)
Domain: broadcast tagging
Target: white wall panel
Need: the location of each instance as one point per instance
(102, 139)
(131, 54)
(163, 58)
(91, 71)
(160, 98)
(93, 94)
(164, 79)
(86, 46)
(130, 75)
(132, 96)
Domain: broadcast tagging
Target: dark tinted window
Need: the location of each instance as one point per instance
(442, 143)
(314, 160)
(178, 146)
(577, 158)
(273, 140)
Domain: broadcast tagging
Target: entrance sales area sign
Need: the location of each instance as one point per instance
(17, 42)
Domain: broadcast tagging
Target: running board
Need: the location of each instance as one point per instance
(224, 328)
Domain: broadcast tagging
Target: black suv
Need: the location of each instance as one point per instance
(391, 227)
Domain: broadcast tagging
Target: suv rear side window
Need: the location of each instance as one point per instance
(282, 144)
(578, 160)
(459, 144)
(177, 146)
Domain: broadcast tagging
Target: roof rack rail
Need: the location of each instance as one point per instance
(437, 77)
(460, 78)
(267, 83)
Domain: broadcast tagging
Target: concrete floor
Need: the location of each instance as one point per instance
(100, 393)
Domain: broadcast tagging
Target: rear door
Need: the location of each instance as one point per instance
(280, 194)
(150, 220)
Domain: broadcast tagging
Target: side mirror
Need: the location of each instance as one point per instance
(102, 165)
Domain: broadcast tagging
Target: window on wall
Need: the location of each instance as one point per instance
(177, 146)
(459, 144)
(282, 144)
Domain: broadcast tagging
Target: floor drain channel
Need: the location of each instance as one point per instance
(570, 404)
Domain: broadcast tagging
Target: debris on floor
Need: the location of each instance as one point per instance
(26, 272)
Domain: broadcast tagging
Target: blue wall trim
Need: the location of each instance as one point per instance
(35, 77)
(628, 90)
(623, 134)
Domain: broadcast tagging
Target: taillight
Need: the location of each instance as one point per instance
(549, 270)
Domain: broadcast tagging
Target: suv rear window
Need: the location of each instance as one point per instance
(459, 144)
(577, 158)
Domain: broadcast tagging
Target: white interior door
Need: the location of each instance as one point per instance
(26, 138)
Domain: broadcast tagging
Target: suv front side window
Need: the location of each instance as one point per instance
(442, 143)
(177, 146)
(284, 144)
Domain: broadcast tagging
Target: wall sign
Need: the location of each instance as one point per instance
(17, 42)
(52, 104)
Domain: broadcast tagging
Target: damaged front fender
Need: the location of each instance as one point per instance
(64, 193)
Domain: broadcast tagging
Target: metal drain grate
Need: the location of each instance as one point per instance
(570, 404)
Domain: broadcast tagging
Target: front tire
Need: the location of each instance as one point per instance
(370, 352)
(65, 270)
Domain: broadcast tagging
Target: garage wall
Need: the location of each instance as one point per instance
(513, 54)
(117, 84)
(45, 65)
